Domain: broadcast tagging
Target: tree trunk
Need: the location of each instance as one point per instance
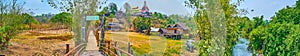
(148, 31)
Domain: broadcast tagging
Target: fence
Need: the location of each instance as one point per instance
(112, 49)
(75, 51)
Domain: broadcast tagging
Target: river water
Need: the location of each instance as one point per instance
(241, 48)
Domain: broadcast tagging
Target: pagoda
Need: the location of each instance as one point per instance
(145, 8)
(144, 12)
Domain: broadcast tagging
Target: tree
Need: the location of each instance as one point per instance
(276, 39)
(128, 11)
(143, 24)
(3, 8)
(217, 25)
(258, 21)
(103, 11)
(280, 36)
(113, 8)
(44, 20)
(288, 14)
(127, 7)
(29, 20)
(111, 15)
(11, 21)
(62, 18)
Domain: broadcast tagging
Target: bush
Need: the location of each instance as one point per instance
(276, 39)
(6, 33)
(62, 18)
(11, 24)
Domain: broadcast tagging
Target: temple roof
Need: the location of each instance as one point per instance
(145, 7)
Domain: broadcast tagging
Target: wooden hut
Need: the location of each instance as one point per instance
(174, 31)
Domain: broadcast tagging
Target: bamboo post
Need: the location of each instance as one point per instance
(115, 44)
(116, 51)
(120, 53)
(108, 46)
(67, 48)
(129, 48)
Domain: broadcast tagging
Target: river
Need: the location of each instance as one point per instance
(241, 48)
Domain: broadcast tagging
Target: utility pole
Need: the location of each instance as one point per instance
(83, 28)
(102, 44)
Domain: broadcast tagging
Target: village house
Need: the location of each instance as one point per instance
(174, 31)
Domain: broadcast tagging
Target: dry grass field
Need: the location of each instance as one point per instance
(149, 45)
(40, 43)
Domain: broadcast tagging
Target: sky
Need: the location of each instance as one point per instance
(260, 7)
(39, 7)
(267, 8)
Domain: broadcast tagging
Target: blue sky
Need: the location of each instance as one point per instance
(40, 7)
(265, 7)
(260, 7)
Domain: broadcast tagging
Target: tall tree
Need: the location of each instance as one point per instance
(217, 25)
(29, 20)
(280, 36)
(127, 7)
(11, 20)
(288, 14)
(143, 24)
(104, 10)
(276, 39)
(113, 8)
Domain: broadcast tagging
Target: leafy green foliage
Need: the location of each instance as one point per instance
(169, 21)
(44, 20)
(163, 20)
(29, 19)
(276, 39)
(280, 36)
(113, 8)
(143, 24)
(62, 18)
(12, 24)
(111, 15)
(288, 14)
(209, 18)
(104, 11)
